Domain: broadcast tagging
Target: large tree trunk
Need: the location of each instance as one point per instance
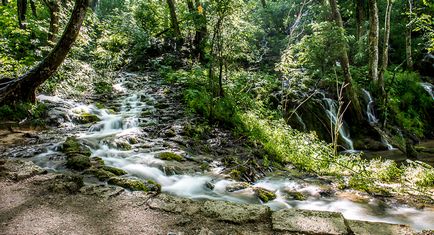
(408, 31)
(385, 57)
(21, 12)
(23, 89)
(174, 20)
(54, 8)
(345, 64)
(373, 40)
(360, 18)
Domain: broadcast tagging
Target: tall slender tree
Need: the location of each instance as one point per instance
(21, 12)
(374, 32)
(385, 53)
(174, 20)
(345, 63)
(409, 28)
(24, 87)
(360, 18)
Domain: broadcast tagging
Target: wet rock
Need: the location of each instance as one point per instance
(237, 186)
(66, 183)
(114, 170)
(135, 185)
(309, 222)
(100, 173)
(19, 169)
(209, 185)
(169, 156)
(73, 146)
(264, 194)
(85, 118)
(294, 195)
(78, 162)
(367, 228)
(122, 145)
(170, 133)
(235, 213)
(174, 204)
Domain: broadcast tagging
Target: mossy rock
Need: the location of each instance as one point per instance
(169, 156)
(78, 162)
(123, 145)
(237, 186)
(73, 146)
(69, 183)
(135, 185)
(85, 118)
(114, 170)
(100, 173)
(294, 195)
(264, 195)
(97, 162)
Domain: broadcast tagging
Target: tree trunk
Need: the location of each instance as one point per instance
(23, 89)
(345, 64)
(385, 57)
(5, 2)
(408, 31)
(21, 11)
(54, 20)
(264, 3)
(373, 40)
(33, 7)
(360, 18)
(93, 4)
(201, 34)
(174, 19)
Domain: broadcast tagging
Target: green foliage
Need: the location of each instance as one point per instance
(22, 111)
(409, 102)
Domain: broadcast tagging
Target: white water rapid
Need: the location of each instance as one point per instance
(428, 88)
(142, 163)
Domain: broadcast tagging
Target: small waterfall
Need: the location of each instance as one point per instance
(428, 88)
(331, 111)
(372, 119)
(388, 145)
(300, 120)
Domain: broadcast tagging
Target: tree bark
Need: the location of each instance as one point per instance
(385, 57)
(21, 11)
(360, 18)
(23, 89)
(264, 3)
(54, 8)
(408, 31)
(201, 33)
(5, 2)
(373, 40)
(174, 19)
(345, 64)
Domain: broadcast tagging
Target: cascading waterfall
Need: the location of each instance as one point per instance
(331, 111)
(370, 113)
(428, 88)
(144, 165)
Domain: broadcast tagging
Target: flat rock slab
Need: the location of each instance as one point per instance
(174, 204)
(235, 213)
(373, 228)
(309, 222)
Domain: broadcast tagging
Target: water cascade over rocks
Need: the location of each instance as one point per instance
(331, 111)
(120, 139)
(428, 88)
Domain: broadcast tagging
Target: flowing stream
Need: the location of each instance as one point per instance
(102, 137)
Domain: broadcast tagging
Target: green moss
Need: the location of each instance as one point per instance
(78, 162)
(114, 170)
(296, 195)
(169, 156)
(123, 145)
(100, 173)
(73, 146)
(97, 162)
(265, 195)
(135, 185)
(88, 118)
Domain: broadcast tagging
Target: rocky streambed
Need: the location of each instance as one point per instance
(130, 146)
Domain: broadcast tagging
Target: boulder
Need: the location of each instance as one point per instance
(19, 169)
(169, 156)
(174, 204)
(135, 184)
(264, 195)
(308, 222)
(68, 183)
(237, 186)
(78, 162)
(235, 213)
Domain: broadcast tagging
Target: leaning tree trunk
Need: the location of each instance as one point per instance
(373, 40)
(23, 89)
(21, 12)
(385, 57)
(345, 64)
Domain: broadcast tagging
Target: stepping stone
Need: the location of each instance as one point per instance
(368, 228)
